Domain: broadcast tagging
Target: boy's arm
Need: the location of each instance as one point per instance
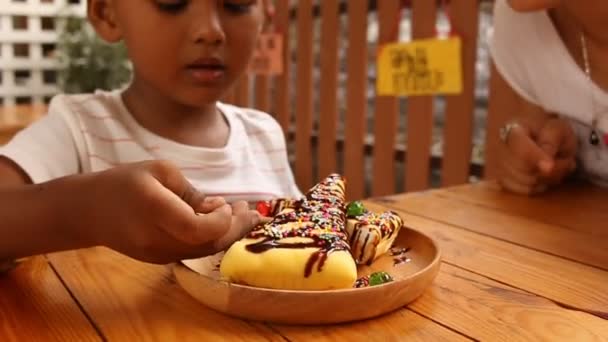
(146, 210)
(31, 215)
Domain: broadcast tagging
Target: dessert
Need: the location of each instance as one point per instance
(303, 247)
(370, 235)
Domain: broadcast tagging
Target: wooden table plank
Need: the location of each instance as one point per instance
(576, 206)
(584, 248)
(21, 114)
(490, 311)
(501, 280)
(35, 306)
(402, 325)
(111, 284)
(543, 274)
(133, 301)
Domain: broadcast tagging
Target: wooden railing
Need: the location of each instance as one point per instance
(374, 161)
(329, 120)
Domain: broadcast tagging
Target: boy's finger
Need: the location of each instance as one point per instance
(209, 204)
(173, 179)
(184, 225)
(243, 220)
(213, 225)
(240, 207)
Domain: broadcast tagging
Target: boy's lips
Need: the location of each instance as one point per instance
(207, 70)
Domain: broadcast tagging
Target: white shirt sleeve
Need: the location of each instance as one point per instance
(45, 150)
(510, 44)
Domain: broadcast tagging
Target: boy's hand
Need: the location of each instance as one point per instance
(531, 161)
(150, 212)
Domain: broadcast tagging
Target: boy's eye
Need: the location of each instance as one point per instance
(171, 6)
(238, 7)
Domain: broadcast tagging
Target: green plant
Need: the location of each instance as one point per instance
(86, 62)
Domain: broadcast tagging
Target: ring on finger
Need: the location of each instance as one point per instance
(505, 131)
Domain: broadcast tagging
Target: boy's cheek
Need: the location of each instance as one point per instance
(532, 5)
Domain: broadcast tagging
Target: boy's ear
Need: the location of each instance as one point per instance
(102, 15)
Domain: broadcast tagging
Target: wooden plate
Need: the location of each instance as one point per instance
(201, 278)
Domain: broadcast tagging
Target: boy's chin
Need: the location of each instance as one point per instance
(201, 98)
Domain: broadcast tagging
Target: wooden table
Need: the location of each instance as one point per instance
(15, 118)
(513, 268)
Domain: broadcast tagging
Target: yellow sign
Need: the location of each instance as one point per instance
(422, 67)
(268, 56)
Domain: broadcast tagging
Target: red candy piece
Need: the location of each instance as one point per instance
(263, 207)
(606, 139)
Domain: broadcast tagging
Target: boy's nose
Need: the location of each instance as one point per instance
(208, 30)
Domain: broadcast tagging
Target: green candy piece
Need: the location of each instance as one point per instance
(355, 209)
(378, 278)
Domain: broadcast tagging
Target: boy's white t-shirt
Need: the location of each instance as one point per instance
(532, 58)
(95, 132)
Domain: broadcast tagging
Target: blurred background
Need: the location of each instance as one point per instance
(47, 47)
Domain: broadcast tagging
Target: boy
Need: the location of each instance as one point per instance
(148, 171)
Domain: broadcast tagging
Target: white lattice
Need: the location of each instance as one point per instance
(28, 37)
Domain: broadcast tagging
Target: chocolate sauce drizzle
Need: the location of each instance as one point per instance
(399, 250)
(399, 254)
(361, 282)
(319, 217)
(387, 223)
